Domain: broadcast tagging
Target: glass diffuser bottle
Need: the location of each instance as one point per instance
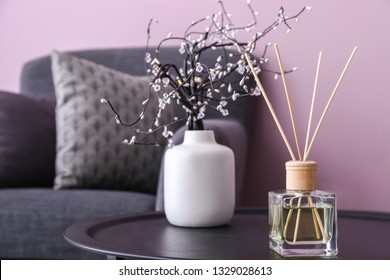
(302, 220)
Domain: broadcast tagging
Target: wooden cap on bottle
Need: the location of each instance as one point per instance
(301, 175)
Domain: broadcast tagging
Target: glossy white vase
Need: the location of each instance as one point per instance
(199, 182)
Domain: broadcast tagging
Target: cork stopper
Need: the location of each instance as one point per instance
(301, 175)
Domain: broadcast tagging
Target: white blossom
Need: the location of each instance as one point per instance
(225, 112)
(192, 83)
(212, 74)
(161, 103)
(132, 141)
(201, 115)
(117, 120)
(223, 103)
(167, 133)
(241, 69)
(148, 57)
(155, 61)
(256, 92)
(156, 87)
(198, 80)
(165, 81)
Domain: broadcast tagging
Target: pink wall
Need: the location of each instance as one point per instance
(352, 148)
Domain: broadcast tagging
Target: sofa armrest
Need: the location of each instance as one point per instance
(227, 132)
(27, 141)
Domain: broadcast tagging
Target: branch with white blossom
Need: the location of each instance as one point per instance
(197, 86)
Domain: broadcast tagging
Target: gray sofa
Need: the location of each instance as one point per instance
(33, 216)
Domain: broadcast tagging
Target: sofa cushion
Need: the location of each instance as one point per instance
(32, 221)
(90, 153)
(27, 141)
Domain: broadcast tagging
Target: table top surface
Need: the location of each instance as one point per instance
(150, 236)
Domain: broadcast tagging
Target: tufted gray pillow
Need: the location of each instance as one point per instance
(90, 153)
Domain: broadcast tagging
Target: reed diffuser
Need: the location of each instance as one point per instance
(302, 219)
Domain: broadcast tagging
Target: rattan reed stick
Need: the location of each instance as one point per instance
(248, 59)
(314, 217)
(321, 225)
(312, 103)
(290, 212)
(288, 99)
(297, 220)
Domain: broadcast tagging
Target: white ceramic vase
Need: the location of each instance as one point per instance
(199, 182)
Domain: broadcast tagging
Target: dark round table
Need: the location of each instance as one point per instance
(362, 235)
